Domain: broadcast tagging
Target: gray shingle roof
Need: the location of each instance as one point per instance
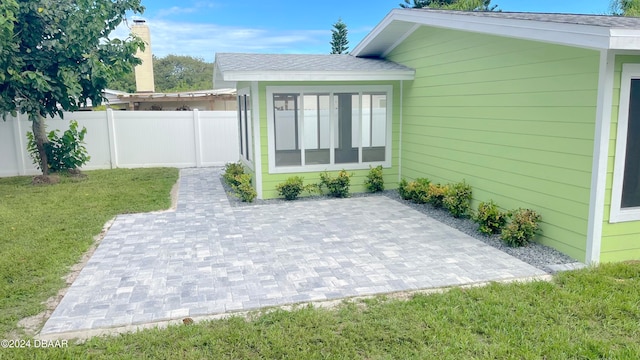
(303, 62)
(615, 22)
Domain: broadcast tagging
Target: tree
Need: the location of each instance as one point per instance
(56, 55)
(339, 42)
(175, 73)
(467, 5)
(419, 4)
(625, 7)
(172, 73)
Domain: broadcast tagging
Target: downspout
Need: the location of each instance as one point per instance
(600, 157)
(400, 139)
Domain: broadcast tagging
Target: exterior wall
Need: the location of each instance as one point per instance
(269, 181)
(514, 118)
(620, 241)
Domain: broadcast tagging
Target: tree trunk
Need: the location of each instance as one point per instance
(40, 135)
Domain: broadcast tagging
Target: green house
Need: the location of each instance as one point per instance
(538, 111)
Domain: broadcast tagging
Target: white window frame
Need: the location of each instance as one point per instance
(331, 91)
(617, 213)
(246, 121)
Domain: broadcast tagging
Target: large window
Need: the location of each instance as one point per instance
(625, 202)
(244, 126)
(328, 127)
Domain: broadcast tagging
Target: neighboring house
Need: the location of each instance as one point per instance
(540, 111)
(209, 100)
(212, 100)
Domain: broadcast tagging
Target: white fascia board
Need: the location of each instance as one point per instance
(586, 36)
(371, 36)
(594, 37)
(624, 39)
(318, 75)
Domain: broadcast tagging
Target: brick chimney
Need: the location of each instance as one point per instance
(144, 71)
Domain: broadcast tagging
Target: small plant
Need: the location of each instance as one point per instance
(63, 153)
(338, 186)
(418, 190)
(291, 188)
(402, 189)
(374, 181)
(244, 190)
(231, 172)
(457, 199)
(490, 218)
(436, 194)
(522, 228)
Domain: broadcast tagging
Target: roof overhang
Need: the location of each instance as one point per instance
(230, 78)
(400, 23)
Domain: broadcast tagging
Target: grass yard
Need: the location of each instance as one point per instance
(586, 314)
(45, 229)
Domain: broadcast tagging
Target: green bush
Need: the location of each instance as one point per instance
(291, 188)
(522, 228)
(244, 190)
(402, 189)
(338, 186)
(490, 218)
(231, 172)
(457, 199)
(63, 153)
(374, 181)
(436, 194)
(418, 190)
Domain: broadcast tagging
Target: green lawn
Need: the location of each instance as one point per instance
(586, 314)
(45, 229)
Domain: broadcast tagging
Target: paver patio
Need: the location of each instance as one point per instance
(208, 257)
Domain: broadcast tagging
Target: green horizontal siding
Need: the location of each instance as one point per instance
(269, 181)
(514, 118)
(620, 241)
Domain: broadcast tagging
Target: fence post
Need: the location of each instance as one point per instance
(20, 150)
(113, 150)
(197, 137)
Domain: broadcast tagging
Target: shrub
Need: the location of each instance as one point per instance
(374, 181)
(402, 189)
(457, 199)
(291, 188)
(490, 218)
(418, 190)
(244, 190)
(231, 172)
(436, 194)
(338, 186)
(63, 153)
(522, 228)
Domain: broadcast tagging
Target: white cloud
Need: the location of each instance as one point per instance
(204, 40)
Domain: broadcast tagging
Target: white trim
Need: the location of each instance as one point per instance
(600, 157)
(249, 148)
(263, 75)
(331, 90)
(617, 214)
(257, 156)
(400, 139)
(579, 35)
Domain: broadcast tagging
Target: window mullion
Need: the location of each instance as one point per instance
(300, 134)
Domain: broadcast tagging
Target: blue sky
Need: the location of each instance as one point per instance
(202, 28)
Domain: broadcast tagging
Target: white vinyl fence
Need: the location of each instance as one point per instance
(131, 139)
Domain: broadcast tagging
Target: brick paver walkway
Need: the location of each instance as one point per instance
(210, 258)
